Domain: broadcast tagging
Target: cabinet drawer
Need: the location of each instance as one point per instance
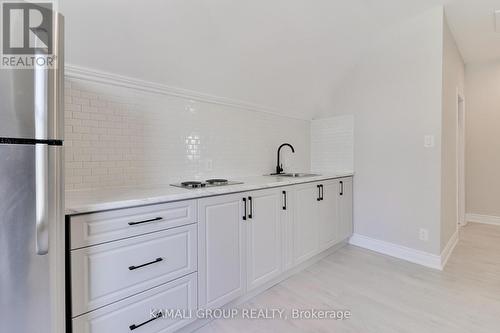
(92, 229)
(180, 294)
(106, 273)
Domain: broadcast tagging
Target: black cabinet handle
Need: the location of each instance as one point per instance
(284, 200)
(319, 193)
(322, 192)
(341, 188)
(245, 207)
(251, 207)
(134, 326)
(146, 221)
(146, 264)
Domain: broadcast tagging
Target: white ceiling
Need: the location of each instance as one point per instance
(473, 25)
(288, 55)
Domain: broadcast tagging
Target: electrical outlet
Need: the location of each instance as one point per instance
(424, 235)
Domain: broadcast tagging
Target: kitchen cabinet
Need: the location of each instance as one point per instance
(106, 273)
(224, 246)
(135, 312)
(345, 208)
(328, 210)
(109, 226)
(319, 209)
(287, 226)
(264, 236)
(221, 249)
(306, 221)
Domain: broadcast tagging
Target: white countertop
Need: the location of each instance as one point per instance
(89, 201)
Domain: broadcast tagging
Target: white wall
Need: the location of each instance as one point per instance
(483, 138)
(395, 95)
(285, 54)
(453, 84)
(117, 136)
(332, 144)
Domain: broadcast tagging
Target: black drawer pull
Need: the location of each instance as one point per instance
(146, 264)
(341, 188)
(284, 200)
(251, 207)
(322, 192)
(319, 193)
(146, 221)
(245, 207)
(134, 326)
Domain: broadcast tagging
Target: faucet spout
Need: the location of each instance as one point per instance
(279, 167)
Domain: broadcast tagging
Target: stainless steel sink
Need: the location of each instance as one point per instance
(296, 175)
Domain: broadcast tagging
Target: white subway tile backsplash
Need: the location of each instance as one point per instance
(332, 144)
(122, 137)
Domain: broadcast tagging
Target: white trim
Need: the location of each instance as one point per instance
(397, 251)
(96, 76)
(448, 250)
(460, 148)
(485, 219)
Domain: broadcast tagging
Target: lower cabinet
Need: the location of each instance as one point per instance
(240, 243)
(136, 312)
(264, 234)
(246, 240)
(345, 208)
(322, 216)
(306, 222)
(109, 272)
(329, 215)
(221, 249)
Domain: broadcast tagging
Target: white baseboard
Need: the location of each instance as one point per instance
(398, 251)
(448, 250)
(486, 219)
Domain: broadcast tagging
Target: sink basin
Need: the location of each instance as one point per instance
(297, 175)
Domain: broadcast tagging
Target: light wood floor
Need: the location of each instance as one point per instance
(390, 295)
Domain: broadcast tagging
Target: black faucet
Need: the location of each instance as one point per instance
(279, 166)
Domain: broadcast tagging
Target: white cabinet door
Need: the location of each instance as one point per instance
(345, 207)
(221, 250)
(306, 215)
(328, 214)
(287, 223)
(264, 247)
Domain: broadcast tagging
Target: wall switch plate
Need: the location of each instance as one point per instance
(423, 235)
(429, 141)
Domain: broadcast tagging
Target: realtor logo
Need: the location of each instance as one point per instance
(27, 35)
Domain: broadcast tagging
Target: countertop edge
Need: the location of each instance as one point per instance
(193, 195)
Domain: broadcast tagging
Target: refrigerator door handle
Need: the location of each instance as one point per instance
(42, 198)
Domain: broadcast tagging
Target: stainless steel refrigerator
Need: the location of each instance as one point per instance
(32, 197)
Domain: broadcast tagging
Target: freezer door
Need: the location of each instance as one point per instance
(27, 297)
(31, 101)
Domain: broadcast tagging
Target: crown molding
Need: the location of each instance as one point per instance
(96, 76)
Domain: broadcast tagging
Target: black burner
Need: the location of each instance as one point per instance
(192, 184)
(216, 181)
(207, 183)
